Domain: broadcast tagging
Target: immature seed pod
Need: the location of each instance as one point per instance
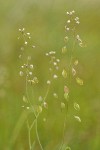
(39, 109)
(73, 72)
(76, 106)
(21, 73)
(77, 118)
(48, 82)
(45, 105)
(67, 148)
(25, 99)
(79, 81)
(66, 89)
(64, 73)
(62, 105)
(40, 99)
(55, 95)
(66, 39)
(76, 62)
(64, 50)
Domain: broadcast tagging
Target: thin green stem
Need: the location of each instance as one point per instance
(29, 135)
(63, 138)
(36, 115)
(70, 63)
(34, 121)
(70, 69)
(27, 91)
(46, 93)
(71, 56)
(38, 136)
(30, 128)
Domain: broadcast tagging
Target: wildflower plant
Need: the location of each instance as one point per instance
(70, 72)
(67, 72)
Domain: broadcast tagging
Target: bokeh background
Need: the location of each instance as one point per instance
(45, 20)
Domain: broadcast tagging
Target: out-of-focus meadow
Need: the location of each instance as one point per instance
(45, 20)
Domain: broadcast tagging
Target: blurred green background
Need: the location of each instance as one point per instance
(45, 20)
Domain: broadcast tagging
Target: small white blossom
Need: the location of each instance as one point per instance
(30, 73)
(55, 95)
(27, 107)
(22, 66)
(67, 13)
(48, 82)
(25, 43)
(23, 29)
(52, 52)
(73, 11)
(55, 63)
(33, 46)
(55, 76)
(67, 29)
(78, 38)
(66, 38)
(47, 54)
(31, 66)
(28, 33)
(77, 19)
(58, 60)
(77, 22)
(20, 30)
(68, 21)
